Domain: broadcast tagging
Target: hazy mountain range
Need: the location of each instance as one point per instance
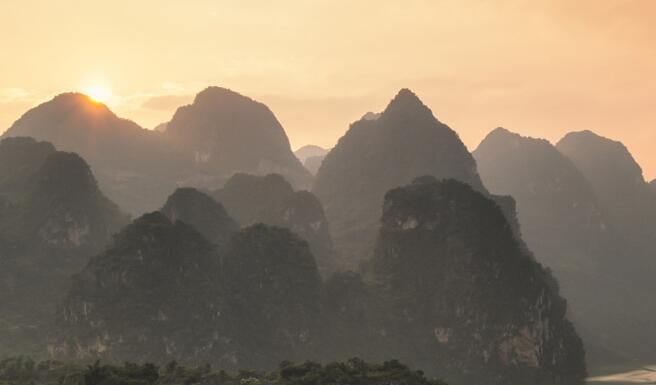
(398, 248)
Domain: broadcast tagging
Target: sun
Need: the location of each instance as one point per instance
(99, 93)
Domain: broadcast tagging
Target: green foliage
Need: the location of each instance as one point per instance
(24, 371)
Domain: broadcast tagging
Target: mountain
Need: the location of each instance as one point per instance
(60, 220)
(561, 219)
(162, 292)
(652, 184)
(223, 132)
(466, 301)
(630, 207)
(20, 160)
(203, 213)
(618, 182)
(566, 227)
(275, 288)
(135, 167)
(313, 163)
(152, 295)
(272, 200)
(378, 154)
(309, 151)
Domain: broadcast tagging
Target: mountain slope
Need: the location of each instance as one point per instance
(275, 287)
(224, 133)
(152, 295)
(618, 183)
(134, 166)
(61, 220)
(203, 213)
(309, 151)
(471, 304)
(20, 160)
(375, 155)
(272, 200)
(561, 219)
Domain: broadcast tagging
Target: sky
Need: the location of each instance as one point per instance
(541, 68)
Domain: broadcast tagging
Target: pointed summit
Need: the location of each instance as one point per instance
(374, 156)
(406, 104)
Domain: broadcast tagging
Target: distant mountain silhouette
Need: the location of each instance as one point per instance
(630, 208)
(558, 210)
(467, 300)
(272, 200)
(620, 186)
(219, 134)
(309, 151)
(202, 212)
(57, 219)
(375, 155)
(653, 184)
(223, 133)
(566, 227)
(313, 163)
(135, 167)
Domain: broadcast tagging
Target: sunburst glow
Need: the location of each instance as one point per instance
(99, 93)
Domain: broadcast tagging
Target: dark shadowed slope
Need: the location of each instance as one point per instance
(203, 213)
(380, 153)
(134, 166)
(272, 200)
(60, 220)
(223, 133)
(153, 295)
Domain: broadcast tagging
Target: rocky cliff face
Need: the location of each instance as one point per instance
(223, 133)
(202, 212)
(380, 153)
(60, 219)
(151, 295)
(134, 166)
(469, 302)
(272, 200)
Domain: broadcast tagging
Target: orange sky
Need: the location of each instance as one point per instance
(540, 68)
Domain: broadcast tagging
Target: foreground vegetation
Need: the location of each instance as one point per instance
(25, 371)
